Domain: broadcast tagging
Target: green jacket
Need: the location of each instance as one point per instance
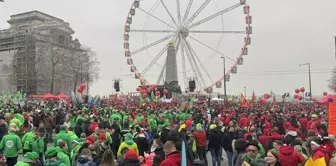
(38, 146)
(11, 144)
(130, 145)
(63, 157)
(72, 135)
(54, 163)
(28, 140)
(108, 137)
(20, 163)
(63, 135)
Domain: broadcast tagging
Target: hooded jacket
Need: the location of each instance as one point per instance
(130, 144)
(63, 135)
(289, 157)
(173, 159)
(84, 161)
(215, 138)
(11, 144)
(321, 152)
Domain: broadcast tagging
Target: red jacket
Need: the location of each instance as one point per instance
(263, 139)
(303, 123)
(93, 126)
(321, 152)
(173, 159)
(200, 138)
(276, 136)
(289, 157)
(244, 122)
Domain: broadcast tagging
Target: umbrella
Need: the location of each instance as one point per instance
(48, 96)
(62, 96)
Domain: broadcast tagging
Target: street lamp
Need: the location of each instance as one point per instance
(224, 78)
(308, 64)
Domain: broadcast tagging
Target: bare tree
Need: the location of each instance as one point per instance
(83, 67)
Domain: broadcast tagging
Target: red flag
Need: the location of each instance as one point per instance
(253, 97)
(243, 100)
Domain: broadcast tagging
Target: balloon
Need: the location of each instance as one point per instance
(325, 93)
(144, 95)
(82, 86)
(296, 96)
(154, 86)
(80, 90)
(144, 86)
(302, 89)
(165, 91)
(138, 89)
(157, 93)
(267, 96)
(300, 97)
(297, 90)
(149, 90)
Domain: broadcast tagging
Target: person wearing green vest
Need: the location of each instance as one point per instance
(128, 143)
(62, 153)
(71, 133)
(11, 145)
(76, 145)
(38, 146)
(30, 158)
(52, 157)
(27, 141)
(63, 135)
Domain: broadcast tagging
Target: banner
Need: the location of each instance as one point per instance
(332, 118)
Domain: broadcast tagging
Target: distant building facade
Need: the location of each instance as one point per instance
(30, 48)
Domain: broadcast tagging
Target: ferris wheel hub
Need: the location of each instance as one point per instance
(184, 32)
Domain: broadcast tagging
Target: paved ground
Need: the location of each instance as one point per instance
(223, 162)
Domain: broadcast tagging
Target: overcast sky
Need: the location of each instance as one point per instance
(286, 33)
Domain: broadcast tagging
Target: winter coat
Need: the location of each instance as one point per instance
(11, 144)
(245, 158)
(200, 138)
(321, 152)
(215, 137)
(159, 151)
(289, 157)
(63, 135)
(227, 140)
(38, 146)
(142, 143)
(127, 144)
(28, 140)
(85, 161)
(3, 130)
(173, 159)
(63, 157)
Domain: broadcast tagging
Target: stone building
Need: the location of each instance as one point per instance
(29, 50)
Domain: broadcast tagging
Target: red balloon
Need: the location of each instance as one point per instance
(302, 89)
(144, 86)
(157, 93)
(300, 97)
(138, 89)
(296, 96)
(297, 90)
(79, 90)
(82, 86)
(325, 93)
(149, 90)
(165, 91)
(154, 86)
(144, 95)
(267, 96)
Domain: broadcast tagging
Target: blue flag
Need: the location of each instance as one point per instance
(184, 155)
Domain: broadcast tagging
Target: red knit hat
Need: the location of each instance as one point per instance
(131, 154)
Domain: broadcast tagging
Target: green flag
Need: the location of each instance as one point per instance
(18, 95)
(9, 94)
(191, 102)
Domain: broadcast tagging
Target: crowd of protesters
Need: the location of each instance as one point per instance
(158, 134)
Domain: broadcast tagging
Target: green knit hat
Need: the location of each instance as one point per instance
(128, 135)
(52, 152)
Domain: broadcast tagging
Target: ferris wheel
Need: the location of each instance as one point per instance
(197, 31)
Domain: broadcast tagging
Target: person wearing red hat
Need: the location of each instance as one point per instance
(101, 144)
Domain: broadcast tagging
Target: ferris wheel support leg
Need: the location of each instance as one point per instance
(193, 61)
(199, 61)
